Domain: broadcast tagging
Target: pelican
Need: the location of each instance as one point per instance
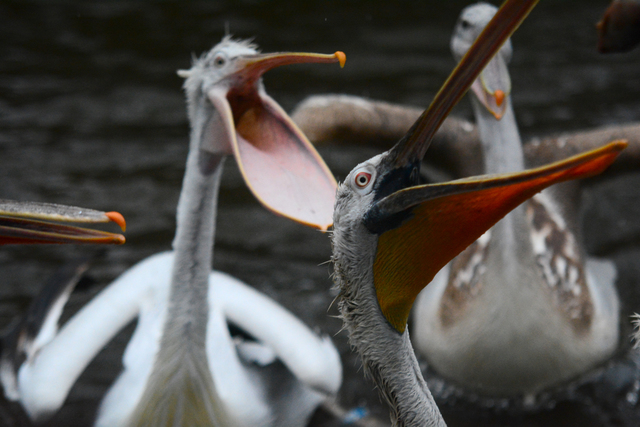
(619, 28)
(182, 366)
(27, 223)
(522, 309)
(391, 235)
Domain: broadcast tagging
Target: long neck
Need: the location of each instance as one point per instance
(193, 246)
(387, 355)
(501, 143)
(180, 389)
(502, 150)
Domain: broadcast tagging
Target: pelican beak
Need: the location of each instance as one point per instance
(279, 165)
(428, 225)
(25, 223)
(254, 66)
(493, 87)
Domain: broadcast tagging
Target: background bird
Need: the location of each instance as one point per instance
(182, 365)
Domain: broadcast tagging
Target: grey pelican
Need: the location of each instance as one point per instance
(522, 309)
(392, 235)
(31, 222)
(182, 366)
(619, 28)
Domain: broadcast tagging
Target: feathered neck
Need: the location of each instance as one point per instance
(180, 389)
(387, 356)
(501, 143)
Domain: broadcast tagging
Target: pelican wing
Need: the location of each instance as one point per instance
(311, 358)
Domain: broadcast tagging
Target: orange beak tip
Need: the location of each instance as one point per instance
(118, 219)
(621, 144)
(499, 95)
(342, 58)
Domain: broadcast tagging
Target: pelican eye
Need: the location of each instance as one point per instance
(465, 24)
(219, 60)
(362, 179)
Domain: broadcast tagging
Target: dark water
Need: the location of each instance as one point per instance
(92, 114)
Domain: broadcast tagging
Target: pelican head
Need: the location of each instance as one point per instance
(493, 86)
(30, 222)
(231, 114)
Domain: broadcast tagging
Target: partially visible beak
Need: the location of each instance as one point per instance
(278, 163)
(26, 223)
(619, 28)
(493, 87)
(412, 148)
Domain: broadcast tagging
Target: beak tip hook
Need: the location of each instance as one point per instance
(118, 219)
(499, 95)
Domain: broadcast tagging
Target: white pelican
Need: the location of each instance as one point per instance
(391, 235)
(31, 222)
(522, 309)
(182, 366)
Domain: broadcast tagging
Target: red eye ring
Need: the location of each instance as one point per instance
(219, 60)
(362, 179)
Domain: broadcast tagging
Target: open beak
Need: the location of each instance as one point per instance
(422, 227)
(27, 223)
(278, 163)
(493, 87)
(439, 221)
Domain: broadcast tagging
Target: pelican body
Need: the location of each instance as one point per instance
(182, 366)
(392, 235)
(521, 310)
